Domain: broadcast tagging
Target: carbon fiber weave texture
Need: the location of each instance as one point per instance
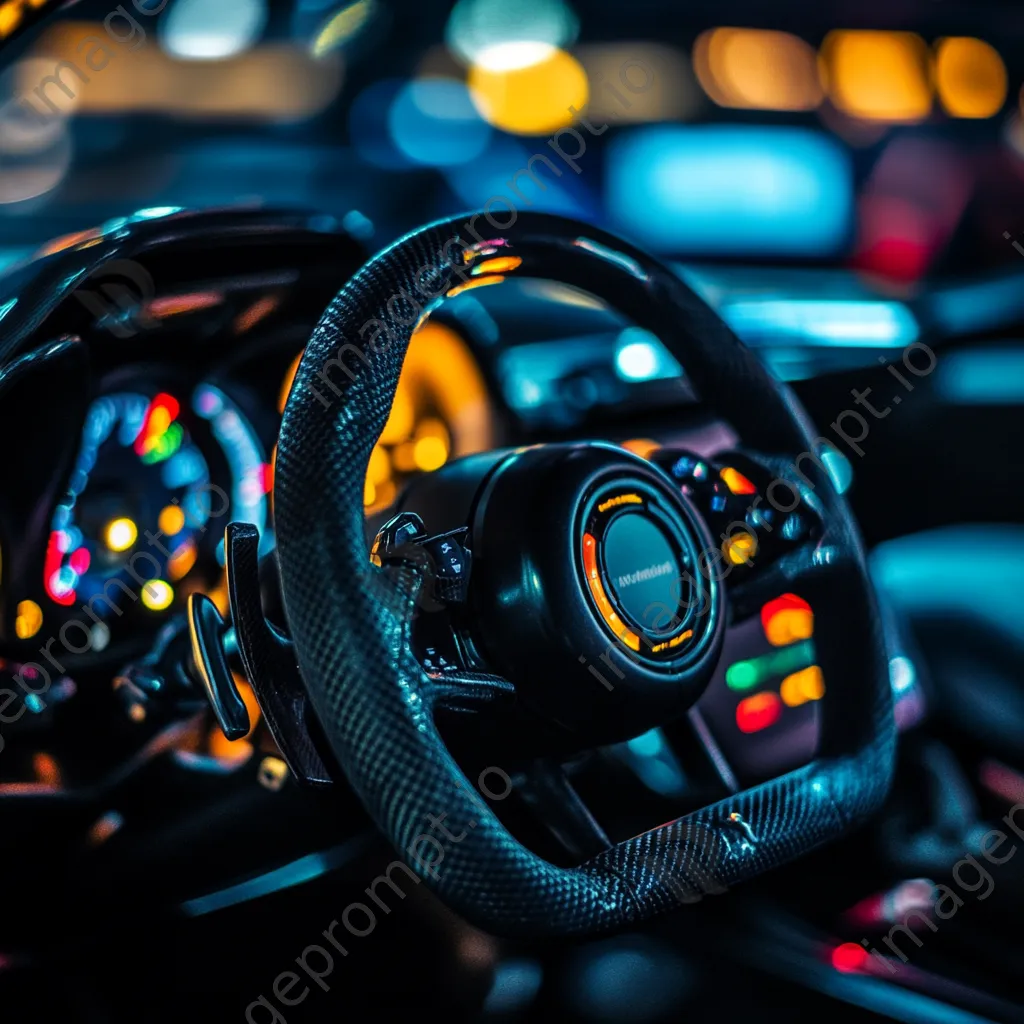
(374, 700)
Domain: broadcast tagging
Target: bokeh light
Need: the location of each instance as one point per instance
(970, 77)
(615, 71)
(157, 595)
(198, 30)
(534, 100)
(755, 69)
(730, 188)
(342, 27)
(35, 145)
(878, 76)
(502, 36)
(433, 121)
(121, 534)
(273, 82)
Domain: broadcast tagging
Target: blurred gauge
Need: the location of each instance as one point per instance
(140, 522)
(250, 473)
(441, 410)
(138, 501)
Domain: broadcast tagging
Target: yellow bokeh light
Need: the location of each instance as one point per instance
(431, 426)
(121, 534)
(342, 27)
(171, 521)
(29, 620)
(157, 595)
(379, 469)
(740, 547)
(970, 77)
(530, 100)
(803, 686)
(369, 493)
(430, 453)
(877, 76)
(758, 70)
(401, 420)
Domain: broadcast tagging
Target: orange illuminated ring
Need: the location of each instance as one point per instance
(604, 606)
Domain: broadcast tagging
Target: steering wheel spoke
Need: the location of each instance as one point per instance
(546, 789)
(468, 691)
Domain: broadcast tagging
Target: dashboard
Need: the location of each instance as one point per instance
(188, 380)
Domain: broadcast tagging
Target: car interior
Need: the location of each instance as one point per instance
(511, 510)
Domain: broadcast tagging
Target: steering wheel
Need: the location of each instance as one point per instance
(548, 594)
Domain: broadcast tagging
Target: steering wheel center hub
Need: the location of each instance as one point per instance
(638, 558)
(587, 589)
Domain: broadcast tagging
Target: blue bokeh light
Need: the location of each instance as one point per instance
(433, 121)
(731, 189)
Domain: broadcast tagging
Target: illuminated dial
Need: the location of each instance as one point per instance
(138, 502)
(441, 410)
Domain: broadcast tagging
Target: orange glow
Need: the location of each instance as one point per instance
(467, 286)
(235, 751)
(674, 642)
(65, 242)
(530, 100)
(401, 420)
(173, 305)
(604, 606)
(248, 695)
(806, 685)
(286, 384)
(29, 620)
(441, 409)
(645, 447)
(440, 374)
(759, 70)
(171, 520)
(182, 560)
(239, 750)
(10, 19)
(970, 77)
(498, 265)
(736, 481)
(46, 769)
(257, 312)
(878, 76)
(620, 499)
(786, 620)
(429, 453)
(273, 82)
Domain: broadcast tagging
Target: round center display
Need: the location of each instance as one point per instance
(638, 558)
(642, 569)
